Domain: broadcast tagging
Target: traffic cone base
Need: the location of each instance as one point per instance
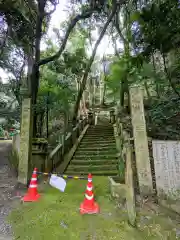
(94, 209)
(30, 198)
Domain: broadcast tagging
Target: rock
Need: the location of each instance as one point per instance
(64, 225)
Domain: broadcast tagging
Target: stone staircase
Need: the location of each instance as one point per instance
(96, 153)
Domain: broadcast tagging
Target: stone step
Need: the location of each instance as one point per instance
(93, 162)
(96, 148)
(97, 141)
(88, 156)
(101, 154)
(90, 168)
(95, 151)
(98, 145)
(98, 138)
(105, 129)
(105, 126)
(101, 137)
(94, 173)
(100, 133)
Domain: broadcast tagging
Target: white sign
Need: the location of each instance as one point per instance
(57, 182)
(166, 156)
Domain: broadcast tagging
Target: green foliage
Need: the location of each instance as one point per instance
(58, 82)
(118, 72)
(154, 26)
(56, 93)
(131, 70)
(159, 26)
(163, 117)
(1, 132)
(20, 21)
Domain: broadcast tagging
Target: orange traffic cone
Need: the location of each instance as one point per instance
(89, 206)
(32, 194)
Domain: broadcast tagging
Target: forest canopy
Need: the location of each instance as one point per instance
(65, 75)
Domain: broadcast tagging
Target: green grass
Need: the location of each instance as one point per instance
(56, 216)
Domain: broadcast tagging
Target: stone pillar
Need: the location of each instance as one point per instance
(96, 118)
(25, 139)
(112, 116)
(140, 141)
(90, 118)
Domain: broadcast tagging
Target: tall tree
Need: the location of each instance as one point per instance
(84, 79)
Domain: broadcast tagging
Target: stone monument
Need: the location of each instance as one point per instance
(140, 141)
(25, 138)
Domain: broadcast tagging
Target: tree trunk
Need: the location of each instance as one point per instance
(90, 93)
(35, 73)
(154, 67)
(47, 116)
(75, 20)
(41, 123)
(122, 94)
(103, 88)
(147, 90)
(104, 94)
(84, 79)
(124, 86)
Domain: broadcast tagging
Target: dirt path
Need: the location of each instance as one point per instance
(7, 189)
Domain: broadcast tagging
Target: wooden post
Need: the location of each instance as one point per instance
(140, 141)
(25, 138)
(130, 196)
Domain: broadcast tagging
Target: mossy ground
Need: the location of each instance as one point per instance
(56, 216)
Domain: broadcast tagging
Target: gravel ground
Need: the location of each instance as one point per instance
(7, 190)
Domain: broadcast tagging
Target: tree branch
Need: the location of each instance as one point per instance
(63, 45)
(84, 78)
(116, 24)
(4, 41)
